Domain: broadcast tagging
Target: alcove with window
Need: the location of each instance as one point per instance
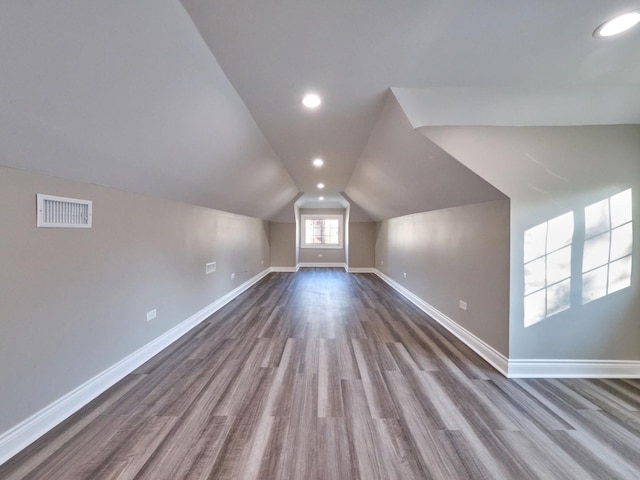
(322, 236)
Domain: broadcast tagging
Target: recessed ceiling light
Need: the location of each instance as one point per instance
(617, 25)
(321, 186)
(311, 100)
(320, 198)
(318, 162)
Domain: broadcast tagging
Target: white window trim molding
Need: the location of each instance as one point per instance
(337, 216)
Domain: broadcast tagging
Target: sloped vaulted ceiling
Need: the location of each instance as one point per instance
(127, 95)
(402, 172)
(199, 100)
(454, 62)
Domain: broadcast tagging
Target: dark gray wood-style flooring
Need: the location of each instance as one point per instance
(323, 374)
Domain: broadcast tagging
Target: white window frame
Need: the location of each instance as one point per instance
(305, 217)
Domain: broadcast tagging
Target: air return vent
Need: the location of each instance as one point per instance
(63, 212)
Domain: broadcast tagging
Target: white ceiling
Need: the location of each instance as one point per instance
(401, 172)
(203, 106)
(351, 52)
(521, 107)
(127, 95)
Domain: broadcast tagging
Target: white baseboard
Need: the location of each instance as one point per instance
(538, 368)
(321, 265)
(284, 269)
(26, 432)
(486, 351)
(523, 368)
(361, 270)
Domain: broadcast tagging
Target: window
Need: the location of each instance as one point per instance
(606, 266)
(322, 231)
(547, 268)
(604, 250)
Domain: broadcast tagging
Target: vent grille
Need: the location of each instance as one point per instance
(61, 212)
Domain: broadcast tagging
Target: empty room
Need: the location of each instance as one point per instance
(320, 239)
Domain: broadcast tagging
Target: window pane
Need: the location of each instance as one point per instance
(621, 208)
(621, 241)
(559, 265)
(534, 242)
(322, 231)
(534, 276)
(596, 218)
(620, 274)
(594, 284)
(596, 252)
(534, 308)
(558, 297)
(560, 232)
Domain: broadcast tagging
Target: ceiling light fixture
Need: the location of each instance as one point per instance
(318, 162)
(618, 24)
(320, 198)
(311, 100)
(321, 186)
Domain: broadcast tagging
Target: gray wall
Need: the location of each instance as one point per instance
(459, 253)
(329, 255)
(283, 244)
(74, 301)
(401, 172)
(548, 172)
(362, 239)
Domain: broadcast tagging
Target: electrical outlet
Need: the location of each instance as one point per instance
(261, 262)
(404, 274)
(320, 255)
(233, 275)
(381, 262)
(463, 305)
(151, 315)
(210, 268)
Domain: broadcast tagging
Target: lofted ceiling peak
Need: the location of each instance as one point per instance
(202, 104)
(402, 172)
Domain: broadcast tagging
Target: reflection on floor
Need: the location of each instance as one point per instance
(323, 374)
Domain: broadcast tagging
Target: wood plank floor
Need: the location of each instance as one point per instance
(322, 375)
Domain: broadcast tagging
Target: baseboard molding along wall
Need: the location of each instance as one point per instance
(26, 432)
(284, 269)
(361, 270)
(537, 368)
(19, 437)
(322, 265)
(522, 368)
(486, 351)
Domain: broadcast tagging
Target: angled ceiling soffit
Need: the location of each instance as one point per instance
(402, 172)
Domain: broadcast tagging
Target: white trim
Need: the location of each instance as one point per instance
(541, 368)
(361, 270)
(335, 216)
(26, 432)
(486, 351)
(522, 368)
(322, 265)
(284, 269)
